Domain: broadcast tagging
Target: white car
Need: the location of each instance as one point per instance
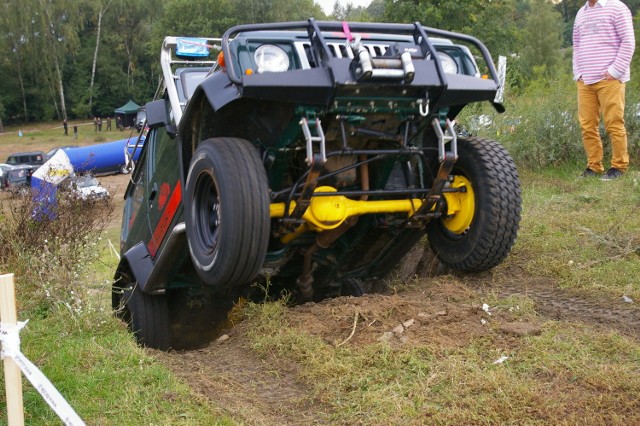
(87, 187)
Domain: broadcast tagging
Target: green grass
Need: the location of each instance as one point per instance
(89, 355)
(44, 136)
(95, 356)
(580, 233)
(567, 374)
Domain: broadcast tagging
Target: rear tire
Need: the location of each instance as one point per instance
(497, 205)
(227, 212)
(147, 317)
(352, 287)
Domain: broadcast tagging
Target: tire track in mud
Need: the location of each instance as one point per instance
(564, 304)
(551, 302)
(253, 390)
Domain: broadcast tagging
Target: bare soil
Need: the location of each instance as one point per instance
(116, 185)
(439, 309)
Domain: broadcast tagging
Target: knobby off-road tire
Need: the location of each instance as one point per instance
(227, 212)
(147, 317)
(496, 217)
(352, 287)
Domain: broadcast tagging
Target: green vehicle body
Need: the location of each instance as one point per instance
(312, 179)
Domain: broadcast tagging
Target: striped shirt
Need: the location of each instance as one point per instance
(603, 40)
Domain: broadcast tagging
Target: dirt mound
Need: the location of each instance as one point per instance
(267, 391)
(448, 311)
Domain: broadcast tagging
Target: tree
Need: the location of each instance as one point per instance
(13, 25)
(102, 9)
(376, 10)
(1, 115)
(213, 17)
(543, 30)
(258, 11)
(58, 30)
(350, 13)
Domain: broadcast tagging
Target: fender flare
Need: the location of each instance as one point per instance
(136, 265)
(212, 94)
(152, 275)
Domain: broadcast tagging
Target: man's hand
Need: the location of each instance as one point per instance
(608, 76)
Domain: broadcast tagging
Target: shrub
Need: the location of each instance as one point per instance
(51, 256)
(540, 127)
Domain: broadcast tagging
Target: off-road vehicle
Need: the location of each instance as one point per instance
(308, 157)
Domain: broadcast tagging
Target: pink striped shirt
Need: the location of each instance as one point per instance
(603, 40)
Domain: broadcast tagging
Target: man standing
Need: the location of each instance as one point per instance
(603, 44)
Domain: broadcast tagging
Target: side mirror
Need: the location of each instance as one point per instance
(157, 114)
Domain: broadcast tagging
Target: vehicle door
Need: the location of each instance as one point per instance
(165, 191)
(135, 221)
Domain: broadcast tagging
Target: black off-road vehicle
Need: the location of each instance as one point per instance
(308, 157)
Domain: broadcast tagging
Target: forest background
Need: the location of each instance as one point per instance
(75, 59)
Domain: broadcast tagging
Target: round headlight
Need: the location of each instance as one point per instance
(449, 65)
(270, 58)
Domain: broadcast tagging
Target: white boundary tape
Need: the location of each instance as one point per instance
(10, 339)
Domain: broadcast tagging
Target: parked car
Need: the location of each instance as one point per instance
(28, 161)
(18, 178)
(311, 159)
(4, 168)
(85, 187)
(34, 158)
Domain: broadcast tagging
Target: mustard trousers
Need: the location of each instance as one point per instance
(605, 97)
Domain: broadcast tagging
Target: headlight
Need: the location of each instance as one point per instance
(449, 65)
(270, 58)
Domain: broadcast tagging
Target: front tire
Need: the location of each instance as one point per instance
(490, 229)
(227, 212)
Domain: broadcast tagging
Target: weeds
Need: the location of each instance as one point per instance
(51, 254)
(541, 129)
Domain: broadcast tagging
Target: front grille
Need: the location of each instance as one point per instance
(338, 50)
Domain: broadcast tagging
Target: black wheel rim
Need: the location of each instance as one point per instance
(207, 212)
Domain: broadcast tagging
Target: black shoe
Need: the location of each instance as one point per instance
(612, 174)
(589, 173)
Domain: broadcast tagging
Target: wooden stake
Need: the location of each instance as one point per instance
(12, 373)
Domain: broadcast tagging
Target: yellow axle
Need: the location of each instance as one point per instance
(329, 212)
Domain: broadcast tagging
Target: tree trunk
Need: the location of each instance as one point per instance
(95, 60)
(48, 77)
(95, 52)
(61, 90)
(24, 95)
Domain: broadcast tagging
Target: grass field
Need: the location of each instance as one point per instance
(340, 362)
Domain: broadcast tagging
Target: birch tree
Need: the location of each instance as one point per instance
(102, 9)
(58, 27)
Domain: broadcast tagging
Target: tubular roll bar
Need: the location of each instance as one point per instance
(167, 61)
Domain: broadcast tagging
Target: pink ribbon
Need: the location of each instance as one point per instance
(347, 32)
